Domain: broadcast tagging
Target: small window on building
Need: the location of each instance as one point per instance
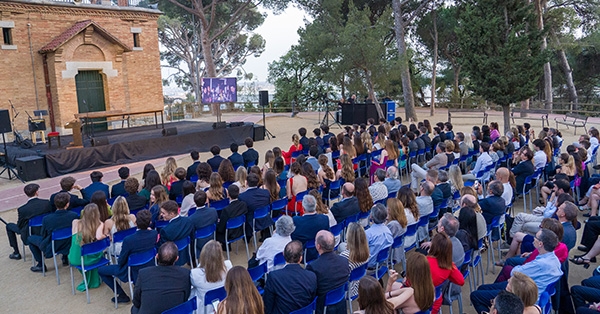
(136, 40)
(7, 36)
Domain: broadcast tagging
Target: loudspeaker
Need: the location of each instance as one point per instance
(169, 131)
(99, 141)
(31, 168)
(219, 125)
(263, 98)
(5, 121)
(27, 144)
(235, 124)
(259, 132)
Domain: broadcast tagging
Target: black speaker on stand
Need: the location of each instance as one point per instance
(263, 100)
(5, 127)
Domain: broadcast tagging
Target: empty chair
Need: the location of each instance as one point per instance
(355, 275)
(259, 213)
(57, 235)
(382, 262)
(257, 273)
(135, 260)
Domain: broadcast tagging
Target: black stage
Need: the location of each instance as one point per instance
(132, 144)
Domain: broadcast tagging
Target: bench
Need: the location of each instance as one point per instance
(543, 115)
(457, 114)
(574, 120)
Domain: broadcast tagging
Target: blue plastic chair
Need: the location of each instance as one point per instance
(119, 236)
(219, 205)
(206, 232)
(310, 244)
(335, 296)
(183, 244)
(393, 194)
(282, 183)
(279, 259)
(134, 260)
(160, 224)
(258, 272)
(355, 275)
(234, 223)
(411, 231)
(188, 307)
(299, 198)
(334, 186)
(383, 257)
(337, 231)
(194, 178)
(213, 295)
(34, 222)
(423, 224)
(86, 250)
(527, 185)
(57, 235)
(77, 210)
(309, 309)
(421, 156)
(465, 274)
(259, 213)
(398, 244)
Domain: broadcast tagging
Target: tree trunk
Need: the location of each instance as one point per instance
(566, 68)
(524, 107)
(371, 91)
(209, 63)
(540, 6)
(506, 114)
(409, 100)
(435, 59)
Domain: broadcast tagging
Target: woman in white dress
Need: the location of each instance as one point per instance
(275, 244)
(210, 273)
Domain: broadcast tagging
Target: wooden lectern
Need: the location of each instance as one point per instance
(77, 138)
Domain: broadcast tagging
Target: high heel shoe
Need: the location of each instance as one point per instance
(579, 260)
(592, 260)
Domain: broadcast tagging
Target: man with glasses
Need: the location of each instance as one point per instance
(544, 270)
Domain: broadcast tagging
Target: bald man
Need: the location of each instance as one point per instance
(331, 269)
(348, 206)
(503, 175)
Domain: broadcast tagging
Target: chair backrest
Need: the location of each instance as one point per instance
(281, 182)
(36, 221)
(393, 194)
(191, 211)
(214, 294)
(188, 307)
(258, 272)
(358, 272)
(300, 196)
(423, 221)
(336, 295)
(183, 243)
(262, 212)
(383, 255)
(335, 185)
(141, 258)
(279, 259)
(279, 204)
(351, 219)
(119, 236)
(544, 301)
(61, 234)
(218, 205)
(398, 241)
(496, 221)
(77, 210)
(236, 222)
(337, 229)
(309, 309)
(179, 199)
(411, 230)
(205, 232)
(95, 247)
(160, 224)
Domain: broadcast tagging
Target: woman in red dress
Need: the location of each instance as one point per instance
(296, 146)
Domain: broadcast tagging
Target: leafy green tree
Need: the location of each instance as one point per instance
(500, 46)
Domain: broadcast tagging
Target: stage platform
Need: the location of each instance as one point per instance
(130, 145)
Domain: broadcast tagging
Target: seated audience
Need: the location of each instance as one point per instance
(204, 172)
(357, 251)
(442, 267)
(178, 228)
(135, 201)
(177, 186)
(215, 161)
(66, 185)
(506, 303)
(204, 216)
(493, 205)
(439, 160)
(188, 190)
(308, 225)
(347, 206)
(242, 295)
(60, 219)
(167, 176)
(418, 278)
(391, 181)
(255, 198)
(378, 190)
(159, 288)
(449, 225)
(233, 210)
(118, 189)
(32, 208)
(524, 287)
(121, 220)
(144, 239)
(379, 235)
(250, 155)
(292, 287)
(210, 273)
(483, 160)
(216, 191)
(332, 271)
(96, 185)
(191, 170)
(371, 298)
(236, 159)
(284, 227)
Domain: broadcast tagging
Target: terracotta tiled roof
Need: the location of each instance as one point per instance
(76, 29)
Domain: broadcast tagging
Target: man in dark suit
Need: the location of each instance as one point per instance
(308, 225)
(326, 134)
(134, 199)
(331, 269)
(236, 159)
(161, 287)
(119, 188)
(234, 209)
(177, 186)
(424, 137)
(442, 190)
(292, 287)
(178, 228)
(66, 185)
(42, 244)
(348, 206)
(303, 138)
(250, 155)
(493, 205)
(256, 198)
(191, 170)
(203, 217)
(142, 240)
(96, 185)
(33, 207)
(215, 161)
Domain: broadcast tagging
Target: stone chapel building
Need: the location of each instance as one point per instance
(72, 57)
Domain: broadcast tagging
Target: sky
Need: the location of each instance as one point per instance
(279, 32)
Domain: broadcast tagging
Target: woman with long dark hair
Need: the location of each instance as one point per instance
(203, 171)
(372, 300)
(418, 278)
(270, 184)
(99, 198)
(226, 171)
(152, 180)
(365, 201)
(441, 265)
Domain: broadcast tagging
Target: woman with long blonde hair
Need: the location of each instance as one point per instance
(121, 220)
(216, 192)
(86, 230)
(167, 176)
(346, 172)
(526, 289)
(210, 273)
(357, 251)
(242, 295)
(396, 219)
(456, 181)
(348, 148)
(367, 141)
(269, 160)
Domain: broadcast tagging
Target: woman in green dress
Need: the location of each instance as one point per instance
(86, 230)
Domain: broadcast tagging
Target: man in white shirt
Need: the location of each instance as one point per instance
(483, 161)
(378, 190)
(503, 174)
(539, 156)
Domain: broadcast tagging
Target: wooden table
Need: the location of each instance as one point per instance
(125, 115)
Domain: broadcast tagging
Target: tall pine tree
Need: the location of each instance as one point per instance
(500, 46)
